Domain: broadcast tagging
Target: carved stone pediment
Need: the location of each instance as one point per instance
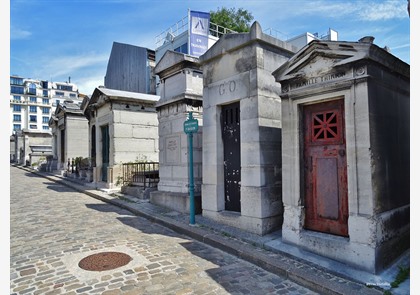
(327, 61)
(315, 61)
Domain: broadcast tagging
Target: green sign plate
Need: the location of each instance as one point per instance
(191, 126)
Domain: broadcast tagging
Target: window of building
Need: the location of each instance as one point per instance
(65, 87)
(45, 101)
(32, 118)
(72, 95)
(59, 93)
(32, 109)
(17, 97)
(16, 89)
(44, 84)
(45, 93)
(45, 119)
(16, 108)
(17, 118)
(45, 127)
(45, 110)
(16, 126)
(32, 98)
(32, 126)
(16, 81)
(32, 88)
(183, 48)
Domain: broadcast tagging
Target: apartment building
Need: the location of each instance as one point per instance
(33, 101)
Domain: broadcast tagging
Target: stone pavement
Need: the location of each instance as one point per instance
(53, 228)
(268, 252)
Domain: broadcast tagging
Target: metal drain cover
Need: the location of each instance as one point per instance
(104, 261)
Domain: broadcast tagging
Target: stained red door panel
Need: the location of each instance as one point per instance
(327, 195)
(325, 168)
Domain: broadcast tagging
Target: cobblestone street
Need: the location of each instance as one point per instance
(52, 228)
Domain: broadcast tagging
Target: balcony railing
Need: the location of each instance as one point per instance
(175, 30)
(34, 103)
(182, 26)
(217, 31)
(276, 34)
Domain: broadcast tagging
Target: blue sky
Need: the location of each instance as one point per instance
(55, 39)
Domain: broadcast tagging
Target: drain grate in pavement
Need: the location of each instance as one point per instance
(104, 261)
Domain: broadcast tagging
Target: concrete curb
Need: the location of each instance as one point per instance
(316, 279)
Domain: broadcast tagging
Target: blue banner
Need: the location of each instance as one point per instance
(199, 31)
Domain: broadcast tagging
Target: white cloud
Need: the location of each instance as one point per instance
(400, 46)
(86, 70)
(67, 64)
(361, 10)
(88, 84)
(16, 33)
(384, 11)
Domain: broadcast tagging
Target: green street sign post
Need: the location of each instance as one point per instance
(190, 127)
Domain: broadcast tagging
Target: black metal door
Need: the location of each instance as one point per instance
(62, 142)
(93, 146)
(105, 152)
(232, 156)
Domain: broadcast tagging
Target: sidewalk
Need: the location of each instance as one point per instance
(269, 252)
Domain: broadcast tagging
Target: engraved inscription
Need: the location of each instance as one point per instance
(316, 80)
(172, 145)
(227, 87)
(172, 151)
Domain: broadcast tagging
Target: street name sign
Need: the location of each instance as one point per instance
(191, 126)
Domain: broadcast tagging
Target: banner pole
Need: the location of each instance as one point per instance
(189, 31)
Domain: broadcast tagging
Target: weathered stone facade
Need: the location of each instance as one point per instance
(181, 92)
(123, 128)
(238, 69)
(373, 87)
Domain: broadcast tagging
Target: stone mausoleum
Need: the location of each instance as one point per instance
(69, 128)
(181, 84)
(242, 169)
(346, 152)
(123, 128)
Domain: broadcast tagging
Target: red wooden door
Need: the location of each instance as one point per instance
(325, 168)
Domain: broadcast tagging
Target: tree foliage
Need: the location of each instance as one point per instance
(238, 20)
